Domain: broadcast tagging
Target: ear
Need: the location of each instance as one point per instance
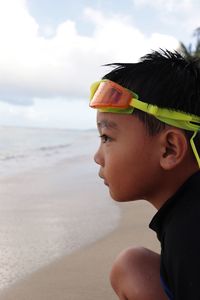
(174, 147)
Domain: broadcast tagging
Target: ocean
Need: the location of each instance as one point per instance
(43, 215)
(22, 149)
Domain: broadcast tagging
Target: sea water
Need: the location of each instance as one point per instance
(37, 227)
(26, 148)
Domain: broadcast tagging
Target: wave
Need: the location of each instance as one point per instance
(30, 153)
(11, 156)
(55, 147)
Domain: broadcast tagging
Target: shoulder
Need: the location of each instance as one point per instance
(182, 231)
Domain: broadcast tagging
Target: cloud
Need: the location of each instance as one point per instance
(49, 113)
(183, 14)
(64, 65)
(170, 5)
(117, 39)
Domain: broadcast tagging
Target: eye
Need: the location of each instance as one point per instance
(105, 138)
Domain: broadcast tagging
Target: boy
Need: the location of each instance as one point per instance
(149, 122)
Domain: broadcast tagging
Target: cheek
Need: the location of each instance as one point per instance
(130, 175)
(123, 176)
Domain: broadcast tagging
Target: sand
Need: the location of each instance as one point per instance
(84, 274)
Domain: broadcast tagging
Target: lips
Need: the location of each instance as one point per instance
(106, 183)
(102, 177)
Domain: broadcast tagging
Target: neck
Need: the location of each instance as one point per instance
(169, 184)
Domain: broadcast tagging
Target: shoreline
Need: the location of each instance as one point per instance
(84, 274)
(49, 212)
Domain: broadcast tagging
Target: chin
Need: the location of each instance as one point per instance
(119, 198)
(124, 198)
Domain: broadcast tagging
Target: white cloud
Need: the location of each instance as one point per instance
(183, 14)
(60, 67)
(64, 65)
(52, 113)
(170, 5)
(117, 39)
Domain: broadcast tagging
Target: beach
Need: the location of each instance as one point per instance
(61, 231)
(83, 274)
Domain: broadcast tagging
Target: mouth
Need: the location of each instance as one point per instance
(105, 182)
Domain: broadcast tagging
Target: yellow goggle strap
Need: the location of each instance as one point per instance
(194, 149)
(170, 117)
(173, 118)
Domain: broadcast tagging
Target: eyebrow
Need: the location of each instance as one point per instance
(106, 124)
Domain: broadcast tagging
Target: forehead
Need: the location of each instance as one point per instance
(118, 122)
(107, 120)
(106, 123)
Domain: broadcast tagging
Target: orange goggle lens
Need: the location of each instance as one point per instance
(110, 94)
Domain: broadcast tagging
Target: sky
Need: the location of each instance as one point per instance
(51, 51)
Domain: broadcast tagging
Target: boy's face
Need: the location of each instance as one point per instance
(128, 157)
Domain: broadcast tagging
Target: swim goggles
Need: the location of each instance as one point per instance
(108, 96)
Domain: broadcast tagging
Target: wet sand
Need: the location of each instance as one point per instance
(84, 275)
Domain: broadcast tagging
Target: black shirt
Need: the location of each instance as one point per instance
(177, 224)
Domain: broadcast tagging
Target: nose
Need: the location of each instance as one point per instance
(98, 157)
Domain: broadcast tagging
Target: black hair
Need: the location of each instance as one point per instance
(163, 78)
